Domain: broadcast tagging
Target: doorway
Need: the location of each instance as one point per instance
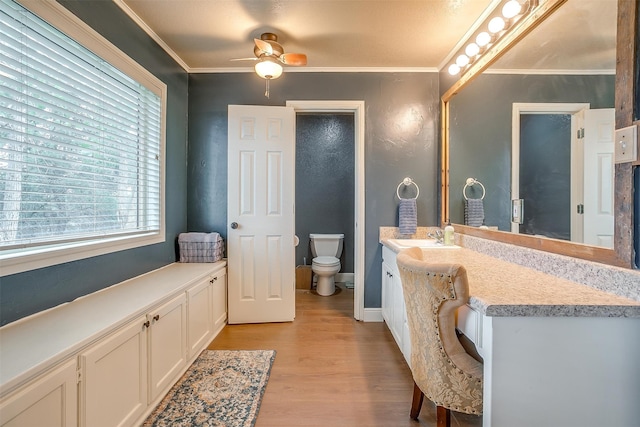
(324, 187)
(357, 109)
(552, 185)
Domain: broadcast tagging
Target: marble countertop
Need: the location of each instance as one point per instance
(501, 288)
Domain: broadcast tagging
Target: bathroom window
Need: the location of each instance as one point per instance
(81, 142)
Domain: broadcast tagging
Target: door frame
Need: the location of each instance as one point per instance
(539, 108)
(357, 108)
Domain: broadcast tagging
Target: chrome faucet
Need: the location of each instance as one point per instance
(438, 236)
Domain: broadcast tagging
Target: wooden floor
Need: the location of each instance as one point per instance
(331, 370)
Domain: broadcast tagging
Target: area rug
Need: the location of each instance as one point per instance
(223, 388)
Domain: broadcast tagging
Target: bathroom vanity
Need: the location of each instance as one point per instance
(556, 353)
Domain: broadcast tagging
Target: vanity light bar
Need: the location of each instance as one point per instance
(495, 26)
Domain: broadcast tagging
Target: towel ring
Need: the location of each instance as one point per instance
(407, 181)
(470, 183)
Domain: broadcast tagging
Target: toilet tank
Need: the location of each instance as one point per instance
(326, 244)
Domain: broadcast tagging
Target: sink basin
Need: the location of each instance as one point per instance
(420, 243)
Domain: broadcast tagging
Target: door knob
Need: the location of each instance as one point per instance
(234, 225)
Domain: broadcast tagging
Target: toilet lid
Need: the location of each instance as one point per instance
(326, 260)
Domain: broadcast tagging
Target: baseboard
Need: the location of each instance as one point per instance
(372, 315)
(344, 277)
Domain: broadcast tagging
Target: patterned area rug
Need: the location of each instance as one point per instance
(223, 388)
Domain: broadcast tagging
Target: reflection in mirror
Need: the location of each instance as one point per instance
(529, 107)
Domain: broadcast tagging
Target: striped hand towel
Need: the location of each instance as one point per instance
(408, 216)
(474, 212)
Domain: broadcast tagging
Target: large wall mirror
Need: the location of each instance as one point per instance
(534, 128)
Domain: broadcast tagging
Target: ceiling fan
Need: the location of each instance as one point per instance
(270, 54)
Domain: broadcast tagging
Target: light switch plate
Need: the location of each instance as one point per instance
(626, 145)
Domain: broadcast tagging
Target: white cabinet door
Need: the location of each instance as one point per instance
(199, 316)
(114, 378)
(167, 344)
(398, 309)
(219, 301)
(49, 401)
(387, 295)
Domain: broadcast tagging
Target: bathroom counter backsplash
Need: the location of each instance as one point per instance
(615, 280)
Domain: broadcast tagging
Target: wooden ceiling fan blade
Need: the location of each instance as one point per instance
(244, 59)
(293, 58)
(264, 47)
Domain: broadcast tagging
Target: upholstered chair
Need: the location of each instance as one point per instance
(442, 369)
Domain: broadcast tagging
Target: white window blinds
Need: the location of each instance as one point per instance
(80, 141)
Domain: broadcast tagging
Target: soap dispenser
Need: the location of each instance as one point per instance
(448, 234)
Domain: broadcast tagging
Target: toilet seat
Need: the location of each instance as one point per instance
(325, 261)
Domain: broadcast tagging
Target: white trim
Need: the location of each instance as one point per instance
(373, 315)
(550, 72)
(357, 108)
(13, 262)
(147, 29)
(66, 22)
(40, 257)
(223, 70)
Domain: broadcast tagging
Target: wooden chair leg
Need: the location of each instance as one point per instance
(416, 404)
(443, 417)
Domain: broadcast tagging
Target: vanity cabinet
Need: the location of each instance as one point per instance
(108, 358)
(50, 400)
(393, 307)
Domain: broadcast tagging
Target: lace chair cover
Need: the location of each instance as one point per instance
(441, 367)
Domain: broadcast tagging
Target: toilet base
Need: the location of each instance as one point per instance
(326, 286)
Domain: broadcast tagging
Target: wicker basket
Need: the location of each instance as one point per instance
(200, 247)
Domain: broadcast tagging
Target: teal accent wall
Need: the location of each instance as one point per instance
(401, 139)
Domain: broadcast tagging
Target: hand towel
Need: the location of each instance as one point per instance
(408, 216)
(474, 212)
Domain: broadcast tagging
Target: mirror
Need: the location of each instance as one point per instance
(564, 65)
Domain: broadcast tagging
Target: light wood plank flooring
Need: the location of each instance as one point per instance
(331, 370)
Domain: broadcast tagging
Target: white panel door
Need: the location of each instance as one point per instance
(599, 127)
(260, 212)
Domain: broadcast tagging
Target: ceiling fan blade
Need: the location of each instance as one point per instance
(264, 47)
(244, 59)
(293, 58)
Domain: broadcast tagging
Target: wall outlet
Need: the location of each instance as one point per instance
(626, 144)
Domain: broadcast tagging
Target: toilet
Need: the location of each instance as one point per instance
(326, 250)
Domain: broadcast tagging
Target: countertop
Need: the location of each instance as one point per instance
(502, 289)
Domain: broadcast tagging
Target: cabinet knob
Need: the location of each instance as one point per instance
(156, 317)
(146, 324)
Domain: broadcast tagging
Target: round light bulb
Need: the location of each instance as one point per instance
(462, 60)
(268, 69)
(511, 9)
(483, 39)
(496, 25)
(454, 69)
(472, 50)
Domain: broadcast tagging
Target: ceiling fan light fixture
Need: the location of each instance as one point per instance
(267, 68)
